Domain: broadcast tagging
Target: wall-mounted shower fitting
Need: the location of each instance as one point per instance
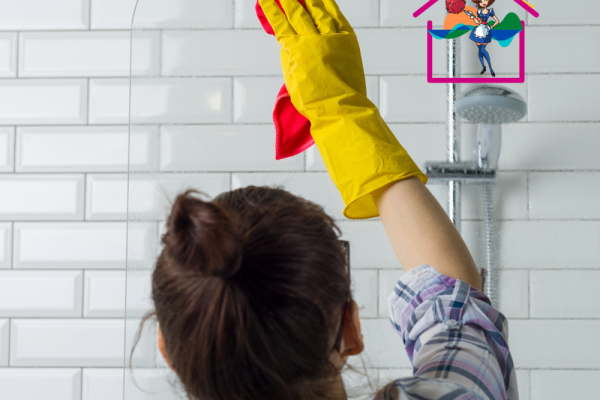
(489, 106)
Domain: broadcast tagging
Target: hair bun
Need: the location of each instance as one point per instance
(202, 236)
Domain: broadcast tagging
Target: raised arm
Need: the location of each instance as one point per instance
(420, 232)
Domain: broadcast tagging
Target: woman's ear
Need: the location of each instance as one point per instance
(352, 338)
(162, 347)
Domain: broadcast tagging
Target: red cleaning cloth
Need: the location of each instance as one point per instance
(292, 129)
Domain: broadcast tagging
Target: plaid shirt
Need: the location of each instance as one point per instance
(456, 341)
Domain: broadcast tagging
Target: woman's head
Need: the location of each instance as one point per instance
(249, 292)
(483, 3)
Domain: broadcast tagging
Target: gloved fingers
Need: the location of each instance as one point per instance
(279, 22)
(341, 23)
(322, 19)
(299, 18)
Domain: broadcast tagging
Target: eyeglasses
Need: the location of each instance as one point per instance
(338, 342)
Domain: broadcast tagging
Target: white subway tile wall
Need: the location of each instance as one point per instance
(64, 110)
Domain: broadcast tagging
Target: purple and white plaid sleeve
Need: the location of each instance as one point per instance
(456, 341)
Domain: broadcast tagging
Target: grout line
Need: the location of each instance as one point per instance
(81, 380)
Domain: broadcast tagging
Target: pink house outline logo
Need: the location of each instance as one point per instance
(519, 79)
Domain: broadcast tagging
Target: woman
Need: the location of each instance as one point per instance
(482, 34)
(252, 289)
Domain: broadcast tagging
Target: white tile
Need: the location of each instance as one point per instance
(549, 244)
(223, 148)
(369, 245)
(112, 14)
(245, 14)
(151, 195)
(316, 187)
(555, 344)
(7, 149)
(143, 148)
(183, 14)
(400, 13)
(139, 293)
(75, 245)
(364, 291)
(514, 297)
(4, 332)
(509, 197)
(72, 148)
(145, 53)
(43, 101)
(387, 280)
(145, 351)
(383, 346)
(555, 13)
(473, 234)
(218, 53)
(388, 375)
(74, 54)
(194, 100)
(564, 195)
(43, 14)
(109, 101)
(8, 54)
(254, 99)
(67, 342)
(547, 301)
(40, 383)
(524, 384)
(556, 385)
(106, 197)
(400, 51)
(41, 197)
(360, 12)
(373, 89)
(412, 99)
(563, 97)
(5, 244)
(550, 146)
(575, 55)
(152, 384)
(104, 294)
(423, 142)
(44, 294)
(102, 384)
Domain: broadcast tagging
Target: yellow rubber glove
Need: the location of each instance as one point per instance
(323, 72)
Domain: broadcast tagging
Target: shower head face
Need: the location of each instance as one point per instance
(491, 105)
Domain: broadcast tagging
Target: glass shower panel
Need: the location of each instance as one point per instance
(204, 79)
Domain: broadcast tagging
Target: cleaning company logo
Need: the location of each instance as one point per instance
(483, 25)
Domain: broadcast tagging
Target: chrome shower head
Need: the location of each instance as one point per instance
(488, 104)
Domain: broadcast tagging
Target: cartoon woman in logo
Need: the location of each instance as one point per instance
(481, 33)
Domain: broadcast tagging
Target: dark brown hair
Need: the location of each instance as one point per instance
(490, 2)
(249, 291)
